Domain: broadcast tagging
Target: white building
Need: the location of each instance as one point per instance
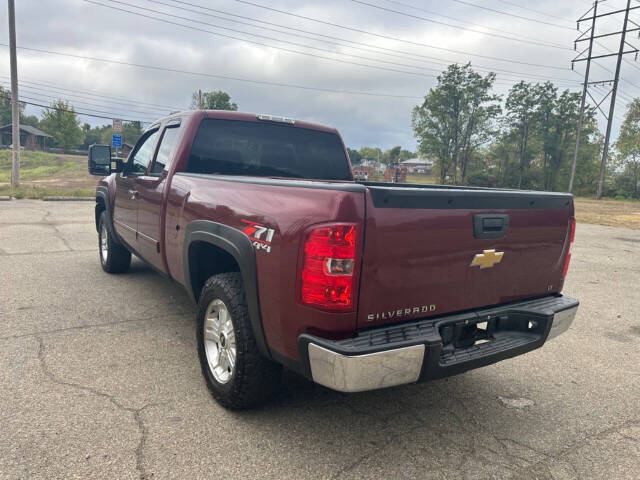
(418, 165)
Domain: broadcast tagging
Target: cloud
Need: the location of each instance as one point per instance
(83, 28)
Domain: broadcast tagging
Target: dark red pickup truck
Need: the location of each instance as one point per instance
(356, 286)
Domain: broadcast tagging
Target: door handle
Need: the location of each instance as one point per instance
(133, 194)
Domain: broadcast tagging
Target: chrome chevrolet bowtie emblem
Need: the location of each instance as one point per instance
(486, 259)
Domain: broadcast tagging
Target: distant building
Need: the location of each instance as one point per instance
(418, 165)
(395, 174)
(376, 165)
(361, 172)
(31, 138)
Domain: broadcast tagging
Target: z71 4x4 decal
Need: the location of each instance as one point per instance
(260, 235)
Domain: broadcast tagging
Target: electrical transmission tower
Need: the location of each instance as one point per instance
(587, 55)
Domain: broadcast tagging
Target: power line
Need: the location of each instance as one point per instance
(430, 20)
(438, 61)
(77, 112)
(397, 39)
(222, 77)
(172, 15)
(84, 109)
(494, 10)
(431, 12)
(267, 45)
(513, 4)
(103, 98)
(611, 94)
(191, 27)
(111, 98)
(47, 94)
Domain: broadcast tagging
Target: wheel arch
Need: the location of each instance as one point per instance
(104, 205)
(225, 249)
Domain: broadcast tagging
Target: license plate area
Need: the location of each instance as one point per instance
(488, 332)
(467, 333)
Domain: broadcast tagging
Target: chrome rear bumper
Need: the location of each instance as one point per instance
(561, 322)
(365, 372)
(420, 356)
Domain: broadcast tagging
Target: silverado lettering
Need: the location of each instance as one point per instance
(203, 196)
(401, 312)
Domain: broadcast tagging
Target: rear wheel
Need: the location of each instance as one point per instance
(114, 258)
(237, 375)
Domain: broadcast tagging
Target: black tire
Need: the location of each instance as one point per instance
(117, 258)
(253, 379)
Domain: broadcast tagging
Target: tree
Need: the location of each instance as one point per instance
(131, 132)
(30, 120)
(455, 119)
(393, 154)
(371, 153)
(354, 156)
(61, 122)
(215, 100)
(5, 107)
(628, 147)
(521, 114)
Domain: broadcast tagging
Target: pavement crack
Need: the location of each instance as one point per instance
(578, 444)
(61, 237)
(93, 325)
(376, 451)
(135, 412)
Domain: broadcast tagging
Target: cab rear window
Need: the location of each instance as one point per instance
(232, 147)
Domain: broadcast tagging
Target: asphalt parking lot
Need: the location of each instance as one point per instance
(99, 378)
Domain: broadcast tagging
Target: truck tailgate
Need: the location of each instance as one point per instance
(420, 245)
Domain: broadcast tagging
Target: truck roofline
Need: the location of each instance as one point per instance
(240, 116)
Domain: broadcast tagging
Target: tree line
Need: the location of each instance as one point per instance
(524, 140)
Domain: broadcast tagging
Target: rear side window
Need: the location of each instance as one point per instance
(231, 147)
(142, 155)
(163, 157)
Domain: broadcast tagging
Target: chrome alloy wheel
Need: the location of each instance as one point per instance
(104, 246)
(219, 341)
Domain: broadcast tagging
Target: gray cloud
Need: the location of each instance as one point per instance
(78, 27)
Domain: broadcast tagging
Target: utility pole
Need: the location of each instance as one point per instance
(584, 92)
(612, 104)
(15, 106)
(199, 99)
(614, 81)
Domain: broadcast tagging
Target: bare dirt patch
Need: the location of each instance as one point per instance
(612, 213)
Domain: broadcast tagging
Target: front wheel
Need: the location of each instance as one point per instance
(114, 258)
(237, 375)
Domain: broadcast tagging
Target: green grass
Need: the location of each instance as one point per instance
(421, 179)
(27, 191)
(40, 165)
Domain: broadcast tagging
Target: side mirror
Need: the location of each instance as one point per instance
(100, 160)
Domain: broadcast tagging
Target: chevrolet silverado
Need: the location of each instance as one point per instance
(355, 285)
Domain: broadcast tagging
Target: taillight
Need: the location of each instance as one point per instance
(328, 268)
(572, 236)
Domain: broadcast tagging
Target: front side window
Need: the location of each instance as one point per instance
(233, 147)
(142, 157)
(165, 150)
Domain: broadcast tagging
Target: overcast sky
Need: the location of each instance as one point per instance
(393, 56)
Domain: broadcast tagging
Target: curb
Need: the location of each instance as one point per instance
(4, 199)
(67, 199)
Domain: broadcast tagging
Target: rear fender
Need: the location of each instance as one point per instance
(239, 246)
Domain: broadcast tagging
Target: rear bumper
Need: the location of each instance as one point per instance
(434, 348)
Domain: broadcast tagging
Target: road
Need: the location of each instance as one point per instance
(99, 378)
